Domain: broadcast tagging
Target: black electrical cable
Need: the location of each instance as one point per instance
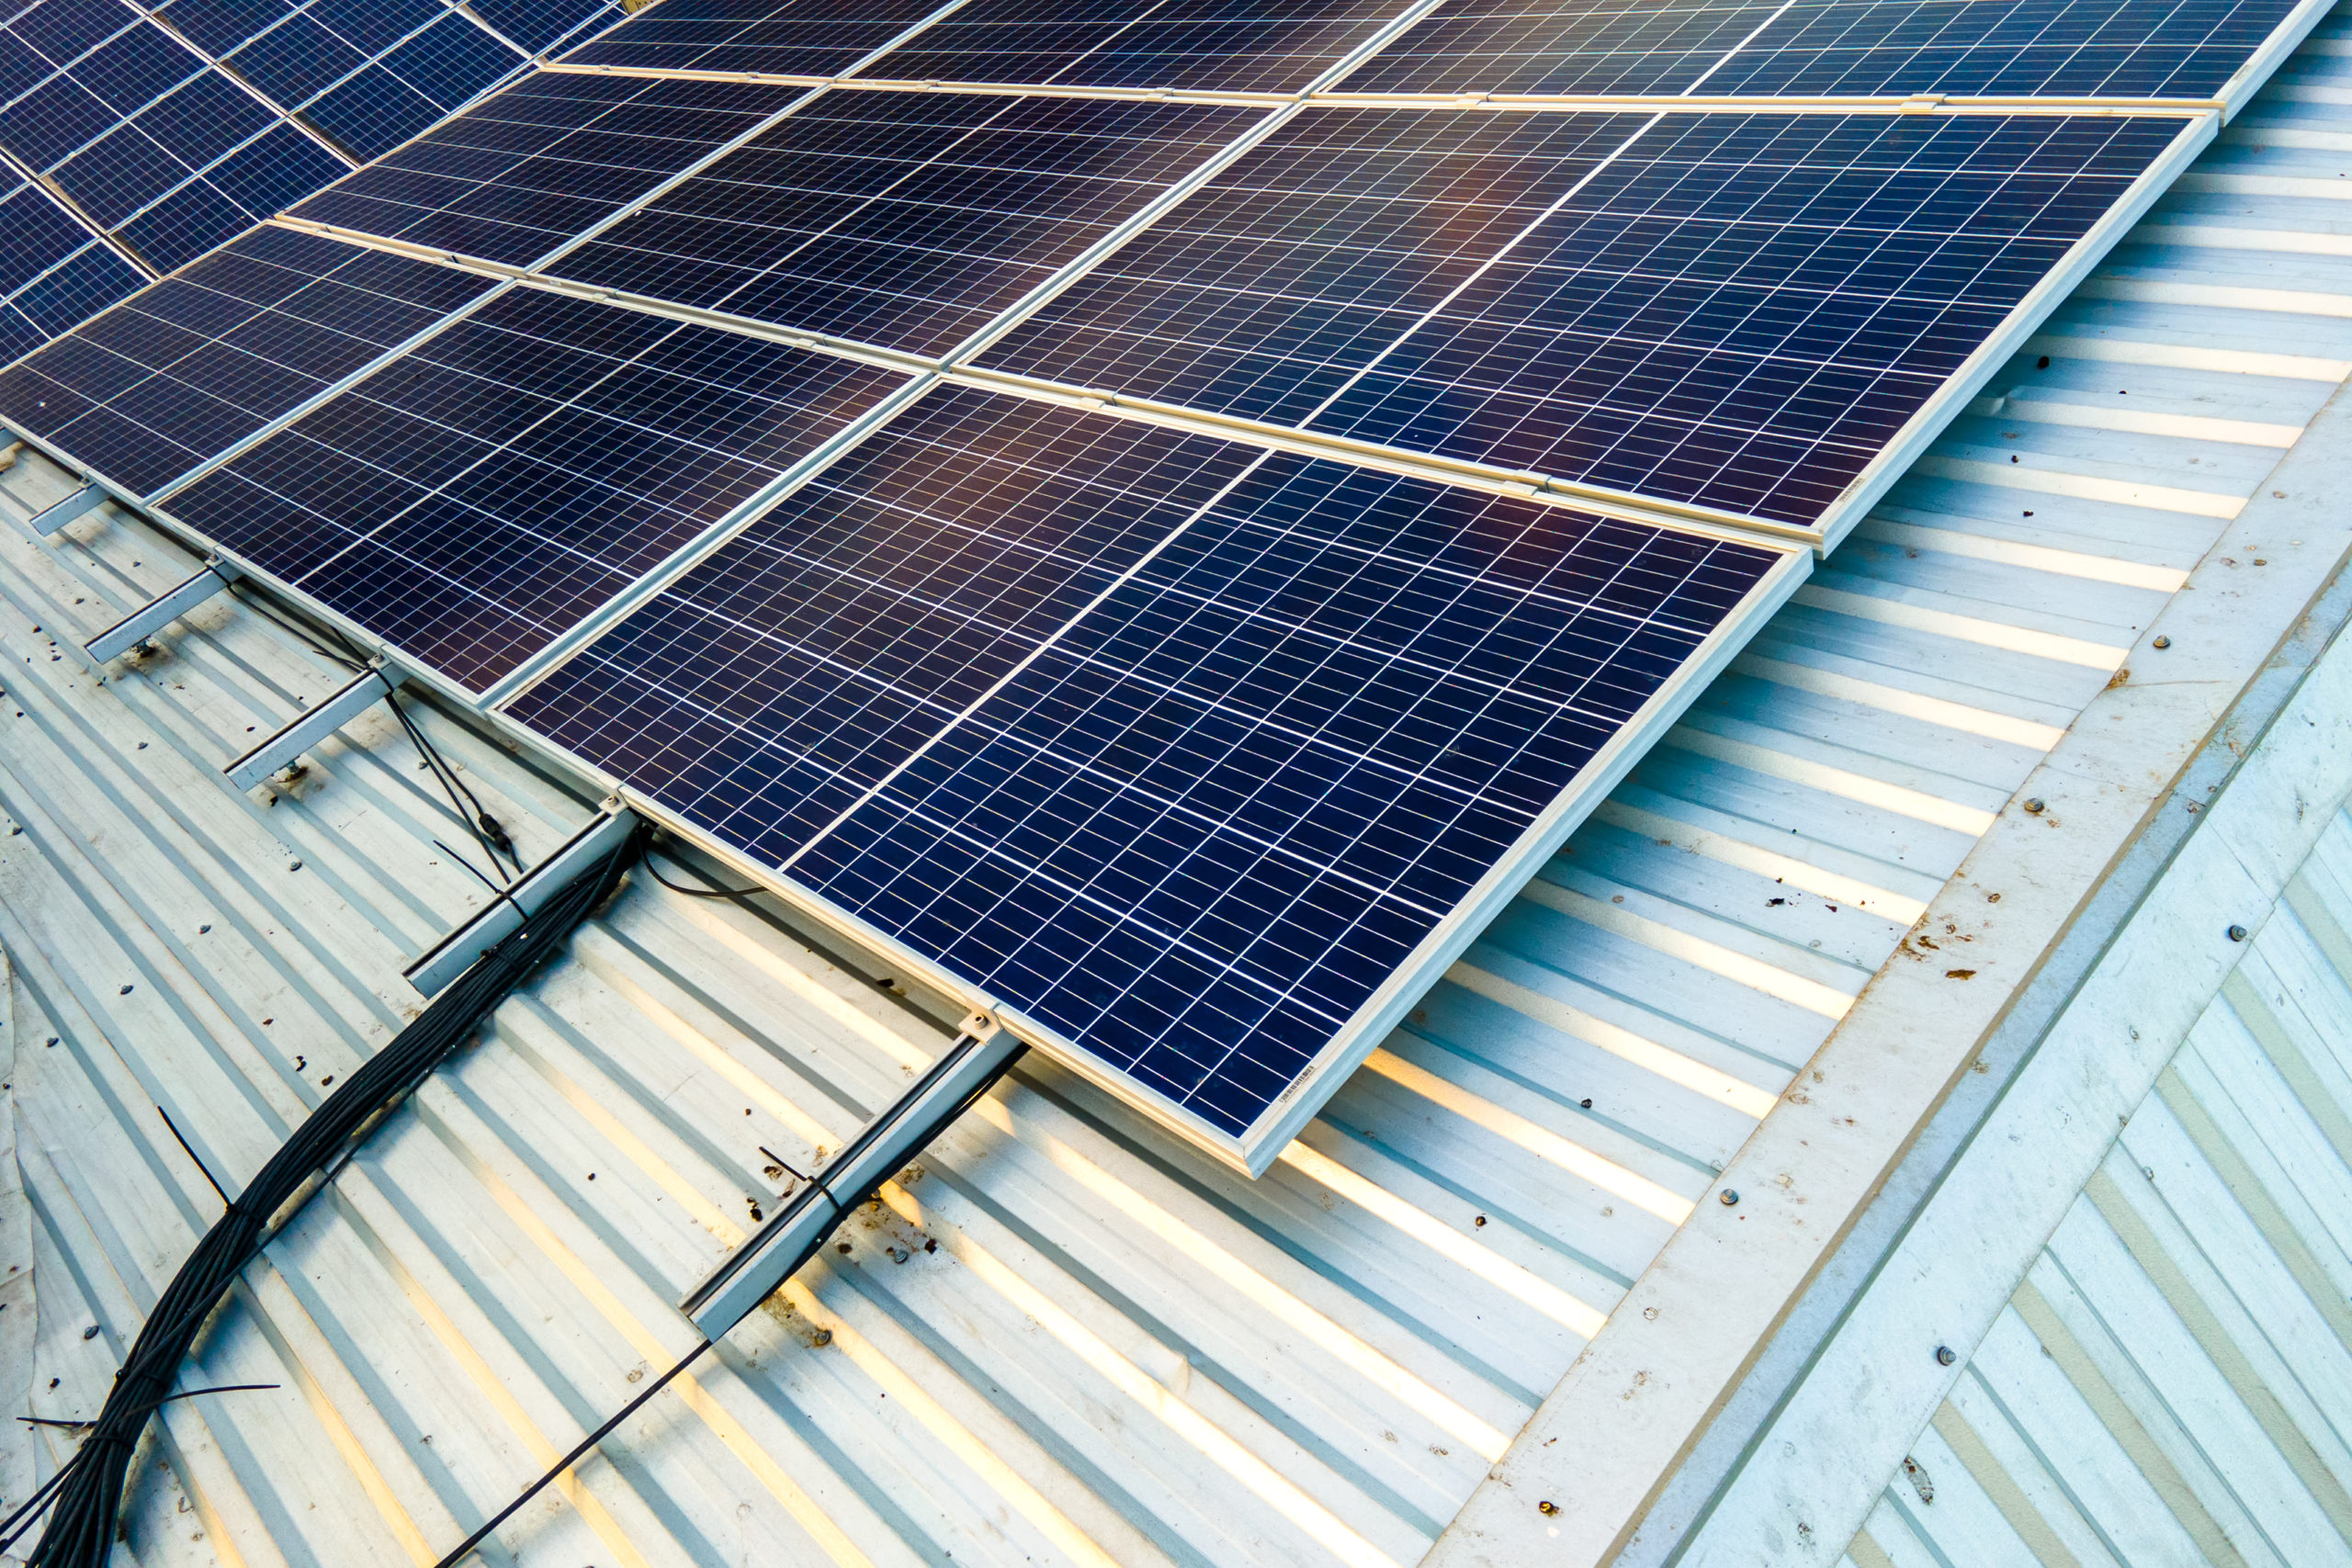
(87, 1491)
(697, 892)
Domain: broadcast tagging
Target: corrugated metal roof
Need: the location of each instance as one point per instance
(1117, 1349)
(2169, 1382)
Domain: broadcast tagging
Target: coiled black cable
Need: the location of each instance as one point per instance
(87, 1491)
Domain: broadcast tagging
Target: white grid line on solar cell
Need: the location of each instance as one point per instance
(1026, 870)
(655, 194)
(492, 127)
(693, 56)
(1565, 245)
(503, 348)
(196, 68)
(1458, 219)
(1117, 34)
(1969, 25)
(954, 461)
(162, 492)
(1001, 195)
(163, 20)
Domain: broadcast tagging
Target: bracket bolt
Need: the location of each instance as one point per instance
(1729, 1198)
(2161, 642)
(1945, 1356)
(2035, 805)
(2237, 933)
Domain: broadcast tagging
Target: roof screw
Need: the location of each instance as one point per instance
(2237, 933)
(1944, 1355)
(2035, 805)
(91, 1331)
(1547, 1506)
(2161, 642)
(1730, 1198)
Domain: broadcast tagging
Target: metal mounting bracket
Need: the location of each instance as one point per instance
(372, 686)
(55, 515)
(146, 621)
(900, 1132)
(441, 963)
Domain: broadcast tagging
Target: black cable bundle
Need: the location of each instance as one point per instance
(87, 1491)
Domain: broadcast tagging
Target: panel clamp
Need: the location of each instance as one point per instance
(55, 515)
(1922, 103)
(143, 623)
(440, 964)
(308, 730)
(800, 1227)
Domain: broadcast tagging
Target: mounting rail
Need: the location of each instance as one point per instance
(441, 963)
(977, 1059)
(371, 686)
(162, 611)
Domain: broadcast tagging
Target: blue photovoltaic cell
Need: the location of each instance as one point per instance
(196, 364)
(2003, 48)
(772, 38)
(372, 27)
(1546, 46)
(266, 174)
(1994, 48)
(477, 497)
(220, 26)
(771, 685)
(81, 101)
(1264, 291)
(1742, 310)
(1208, 813)
(58, 32)
(53, 273)
(906, 219)
(295, 61)
(415, 83)
(1259, 46)
(539, 25)
(547, 158)
(158, 150)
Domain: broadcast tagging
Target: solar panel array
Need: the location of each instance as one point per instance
(1159, 515)
(149, 135)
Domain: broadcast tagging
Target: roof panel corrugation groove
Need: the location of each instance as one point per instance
(1117, 1351)
(2165, 1385)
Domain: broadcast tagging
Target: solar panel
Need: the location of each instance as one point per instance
(1536, 46)
(1254, 46)
(159, 150)
(1995, 48)
(807, 38)
(75, 100)
(53, 272)
(525, 171)
(220, 26)
(2003, 48)
(794, 670)
(1264, 291)
(413, 84)
(151, 138)
(539, 26)
(480, 496)
(904, 219)
(188, 368)
(1180, 747)
(229, 197)
(1742, 310)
